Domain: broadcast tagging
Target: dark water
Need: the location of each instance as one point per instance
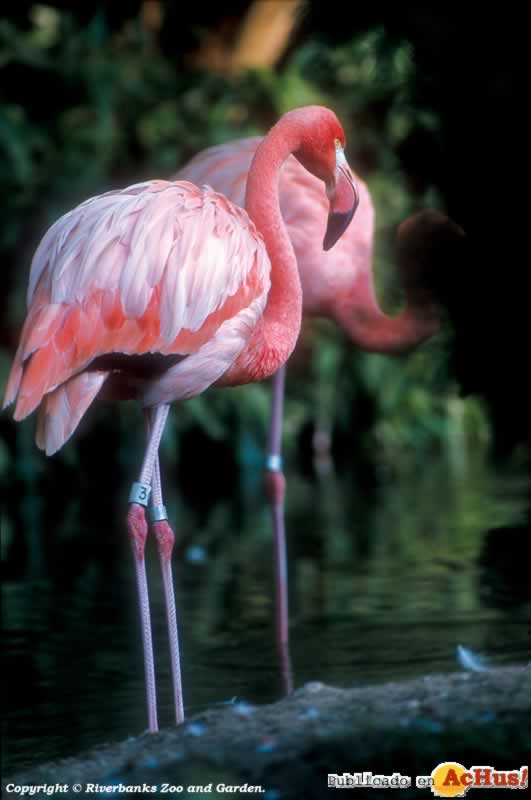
(380, 588)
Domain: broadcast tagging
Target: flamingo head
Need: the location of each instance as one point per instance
(322, 152)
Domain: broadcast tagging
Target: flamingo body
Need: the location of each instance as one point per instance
(159, 267)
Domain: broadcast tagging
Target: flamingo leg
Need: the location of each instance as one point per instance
(137, 529)
(165, 541)
(276, 489)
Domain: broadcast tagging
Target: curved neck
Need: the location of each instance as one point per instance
(275, 336)
(370, 329)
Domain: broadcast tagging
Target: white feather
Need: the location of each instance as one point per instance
(188, 241)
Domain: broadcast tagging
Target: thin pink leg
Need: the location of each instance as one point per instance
(165, 540)
(276, 489)
(137, 529)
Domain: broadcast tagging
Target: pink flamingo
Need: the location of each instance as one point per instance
(158, 291)
(338, 285)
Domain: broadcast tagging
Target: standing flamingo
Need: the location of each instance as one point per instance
(159, 291)
(337, 285)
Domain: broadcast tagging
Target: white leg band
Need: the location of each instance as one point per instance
(157, 513)
(274, 463)
(140, 493)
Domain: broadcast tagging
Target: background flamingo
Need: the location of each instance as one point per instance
(157, 292)
(338, 285)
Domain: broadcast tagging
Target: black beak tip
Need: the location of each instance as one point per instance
(338, 222)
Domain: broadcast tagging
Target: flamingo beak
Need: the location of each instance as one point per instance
(344, 200)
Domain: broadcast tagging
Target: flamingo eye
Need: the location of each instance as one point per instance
(338, 144)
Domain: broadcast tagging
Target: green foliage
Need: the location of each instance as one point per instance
(117, 110)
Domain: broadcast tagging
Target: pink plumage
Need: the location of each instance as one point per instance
(337, 284)
(158, 267)
(304, 205)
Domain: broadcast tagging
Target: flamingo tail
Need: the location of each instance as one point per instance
(61, 410)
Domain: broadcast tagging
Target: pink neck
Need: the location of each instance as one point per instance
(275, 336)
(372, 330)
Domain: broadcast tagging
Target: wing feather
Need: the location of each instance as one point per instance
(156, 267)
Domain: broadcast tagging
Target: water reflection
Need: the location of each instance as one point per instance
(379, 589)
